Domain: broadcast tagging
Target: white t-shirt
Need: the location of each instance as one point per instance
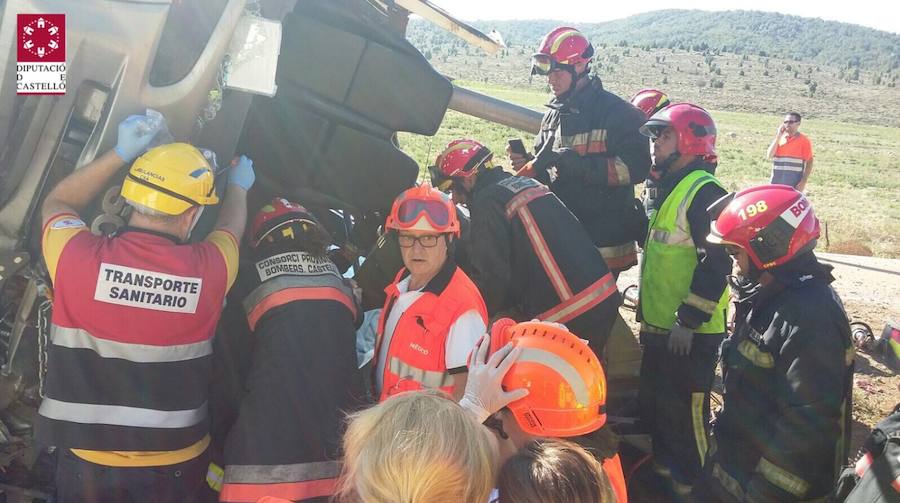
(461, 338)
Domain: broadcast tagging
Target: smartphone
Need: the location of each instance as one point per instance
(517, 147)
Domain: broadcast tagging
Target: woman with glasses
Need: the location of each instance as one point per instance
(433, 314)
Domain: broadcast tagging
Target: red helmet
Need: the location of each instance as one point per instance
(773, 223)
(565, 380)
(462, 158)
(275, 215)
(650, 101)
(694, 126)
(423, 208)
(564, 46)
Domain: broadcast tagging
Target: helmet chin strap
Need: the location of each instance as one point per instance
(661, 168)
(575, 78)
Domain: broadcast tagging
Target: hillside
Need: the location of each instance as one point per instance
(716, 79)
(741, 32)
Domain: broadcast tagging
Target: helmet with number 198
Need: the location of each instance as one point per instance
(772, 223)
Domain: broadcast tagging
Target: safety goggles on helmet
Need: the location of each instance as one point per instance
(410, 210)
(542, 64)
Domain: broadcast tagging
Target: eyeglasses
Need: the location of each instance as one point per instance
(435, 212)
(427, 241)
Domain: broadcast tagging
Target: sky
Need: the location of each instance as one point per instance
(879, 14)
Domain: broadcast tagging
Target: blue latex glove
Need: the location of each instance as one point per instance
(241, 172)
(135, 134)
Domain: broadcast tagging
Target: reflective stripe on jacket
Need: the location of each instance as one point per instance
(416, 357)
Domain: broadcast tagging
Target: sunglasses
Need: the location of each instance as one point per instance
(790, 122)
(434, 211)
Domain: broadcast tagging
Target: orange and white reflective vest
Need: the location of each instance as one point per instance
(416, 355)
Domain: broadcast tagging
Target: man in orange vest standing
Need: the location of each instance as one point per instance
(433, 314)
(791, 154)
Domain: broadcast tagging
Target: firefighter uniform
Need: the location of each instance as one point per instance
(303, 378)
(531, 258)
(601, 157)
(788, 368)
(683, 279)
(130, 355)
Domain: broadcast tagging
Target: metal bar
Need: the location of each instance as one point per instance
(495, 110)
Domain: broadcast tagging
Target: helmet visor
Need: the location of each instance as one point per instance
(435, 212)
(542, 64)
(438, 179)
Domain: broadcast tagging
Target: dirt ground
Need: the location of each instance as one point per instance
(870, 290)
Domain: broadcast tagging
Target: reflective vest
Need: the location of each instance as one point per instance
(416, 355)
(131, 342)
(304, 376)
(613, 469)
(670, 258)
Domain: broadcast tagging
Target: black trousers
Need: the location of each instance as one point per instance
(80, 481)
(674, 406)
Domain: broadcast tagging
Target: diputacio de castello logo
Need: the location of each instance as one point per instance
(41, 54)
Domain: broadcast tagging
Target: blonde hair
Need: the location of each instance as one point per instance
(554, 471)
(417, 447)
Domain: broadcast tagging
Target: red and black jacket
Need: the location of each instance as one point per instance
(601, 156)
(531, 258)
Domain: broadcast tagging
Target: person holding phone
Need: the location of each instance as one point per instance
(791, 154)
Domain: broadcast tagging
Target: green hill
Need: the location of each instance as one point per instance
(741, 32)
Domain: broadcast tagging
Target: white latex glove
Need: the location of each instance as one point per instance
(484, 393)
(680, 340)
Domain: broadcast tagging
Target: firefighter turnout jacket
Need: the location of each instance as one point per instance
(131, 341)
(416, 349)
(788, 368)
(531, 258)
(302, 380)
(601, 157)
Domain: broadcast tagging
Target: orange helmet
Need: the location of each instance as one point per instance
(565, 381)
(423, 208)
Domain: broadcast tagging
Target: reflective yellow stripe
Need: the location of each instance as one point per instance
(697, 400)
(782, 478)
(618, 173)
(850, 356)
(705, 305)
(728, 482)
(650, 329)
(755, 355)
(559, 40)
(215, 476)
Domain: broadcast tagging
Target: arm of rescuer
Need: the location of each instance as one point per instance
(461, 340)
(625, 160)
(810, 372)
(770, 153)
(76, 191)
(490, 252)
(713, 263)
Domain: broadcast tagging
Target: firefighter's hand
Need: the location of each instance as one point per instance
(517, 160)
(527, 169)
(484, 393)
(680, 340)
(135, 134)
